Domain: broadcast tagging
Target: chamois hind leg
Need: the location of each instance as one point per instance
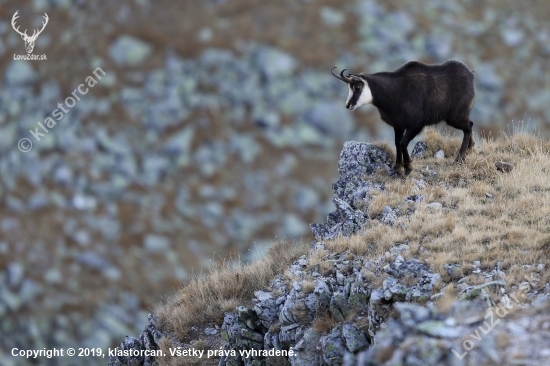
(471, 144)
(466, 141)
(409, 135)
(398, 152)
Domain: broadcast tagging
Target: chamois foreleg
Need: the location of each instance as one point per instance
(409, 135)
(398, 152)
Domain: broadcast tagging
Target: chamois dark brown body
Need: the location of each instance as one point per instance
(417, 95)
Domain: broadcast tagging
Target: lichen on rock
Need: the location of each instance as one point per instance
(357, 160)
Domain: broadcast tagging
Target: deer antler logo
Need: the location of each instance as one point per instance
(29, 41)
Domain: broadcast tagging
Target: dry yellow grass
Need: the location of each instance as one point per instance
(205, 299)
(385, 146)
(308, 285)
(487, 215)
(323, 323)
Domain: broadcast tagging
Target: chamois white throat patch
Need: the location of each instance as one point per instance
(364, 98)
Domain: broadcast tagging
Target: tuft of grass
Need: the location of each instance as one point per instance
(434, 140)
(207, 296)
(318, 261)
(450, 144)
(445, 302)
(386, 147)
(301, 313)
(324, 322)
(308, 285)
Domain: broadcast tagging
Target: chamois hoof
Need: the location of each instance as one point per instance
(459, 160)
(408, 171)
(396, 168)
(391, 171)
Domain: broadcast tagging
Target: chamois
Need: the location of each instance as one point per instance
(414, 96)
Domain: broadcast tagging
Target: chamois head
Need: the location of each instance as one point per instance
(359, 91)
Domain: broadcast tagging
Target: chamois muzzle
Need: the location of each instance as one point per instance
(341, 77)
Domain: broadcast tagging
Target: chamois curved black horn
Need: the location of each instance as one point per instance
(335, 75)
(341, 77)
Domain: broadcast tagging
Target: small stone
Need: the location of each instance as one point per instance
(333, 347)
(53, 275)
(415, 198)
(82, 237)
(9, 224)
(19, 72)
(503, 166)
(487, 78)
(97, 262)
(488, 195)
(180, 143)
(307, 354)
(274, 63)
(438, 329)
(439, 47)
(205, 35)
(434, 205)
(129, 51)
(419, 184)
(439, 154)
(15, 273)
(388, 216)
(332, 17)
(29, 290)
(81, 202)
(10, 300)
(156, 243)
(355, 339)
(210, 331)
(512, 36)
(251, 335)
(419, 150)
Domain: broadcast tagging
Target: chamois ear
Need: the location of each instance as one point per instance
(363, 76)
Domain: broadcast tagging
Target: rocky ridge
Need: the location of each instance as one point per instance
(331, 309)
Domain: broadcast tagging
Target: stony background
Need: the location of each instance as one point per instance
(216, 129)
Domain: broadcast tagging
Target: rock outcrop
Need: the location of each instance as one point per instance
(337, 317)
(148, 341)
(341, 308)
(356, 160)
